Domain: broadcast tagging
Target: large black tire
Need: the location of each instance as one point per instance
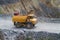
(34, 25)
(17, 24)
(1, 36)
(29, 25)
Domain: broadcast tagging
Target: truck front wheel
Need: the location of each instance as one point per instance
(29, 25)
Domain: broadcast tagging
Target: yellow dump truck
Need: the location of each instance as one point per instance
(28, 21)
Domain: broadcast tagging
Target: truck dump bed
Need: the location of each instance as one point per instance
(19, 18)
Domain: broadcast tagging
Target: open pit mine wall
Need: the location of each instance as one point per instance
(9, 6)
(28, 35)
(43, 7)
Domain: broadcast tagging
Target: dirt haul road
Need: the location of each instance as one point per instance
(6, 23)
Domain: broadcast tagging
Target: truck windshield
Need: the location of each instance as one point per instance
(31, 17)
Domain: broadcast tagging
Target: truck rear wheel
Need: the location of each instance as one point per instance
(17, 24)
(29, 25)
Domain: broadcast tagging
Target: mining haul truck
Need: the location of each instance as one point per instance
(28, 21)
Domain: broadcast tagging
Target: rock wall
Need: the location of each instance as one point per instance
(28, 35)
(46, 9)
(9, 6)
(42, 7)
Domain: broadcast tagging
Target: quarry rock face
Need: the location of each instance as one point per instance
(44, 7)
(28, 35)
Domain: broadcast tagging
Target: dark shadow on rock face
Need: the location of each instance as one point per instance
(49, 11)
(2, 2)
